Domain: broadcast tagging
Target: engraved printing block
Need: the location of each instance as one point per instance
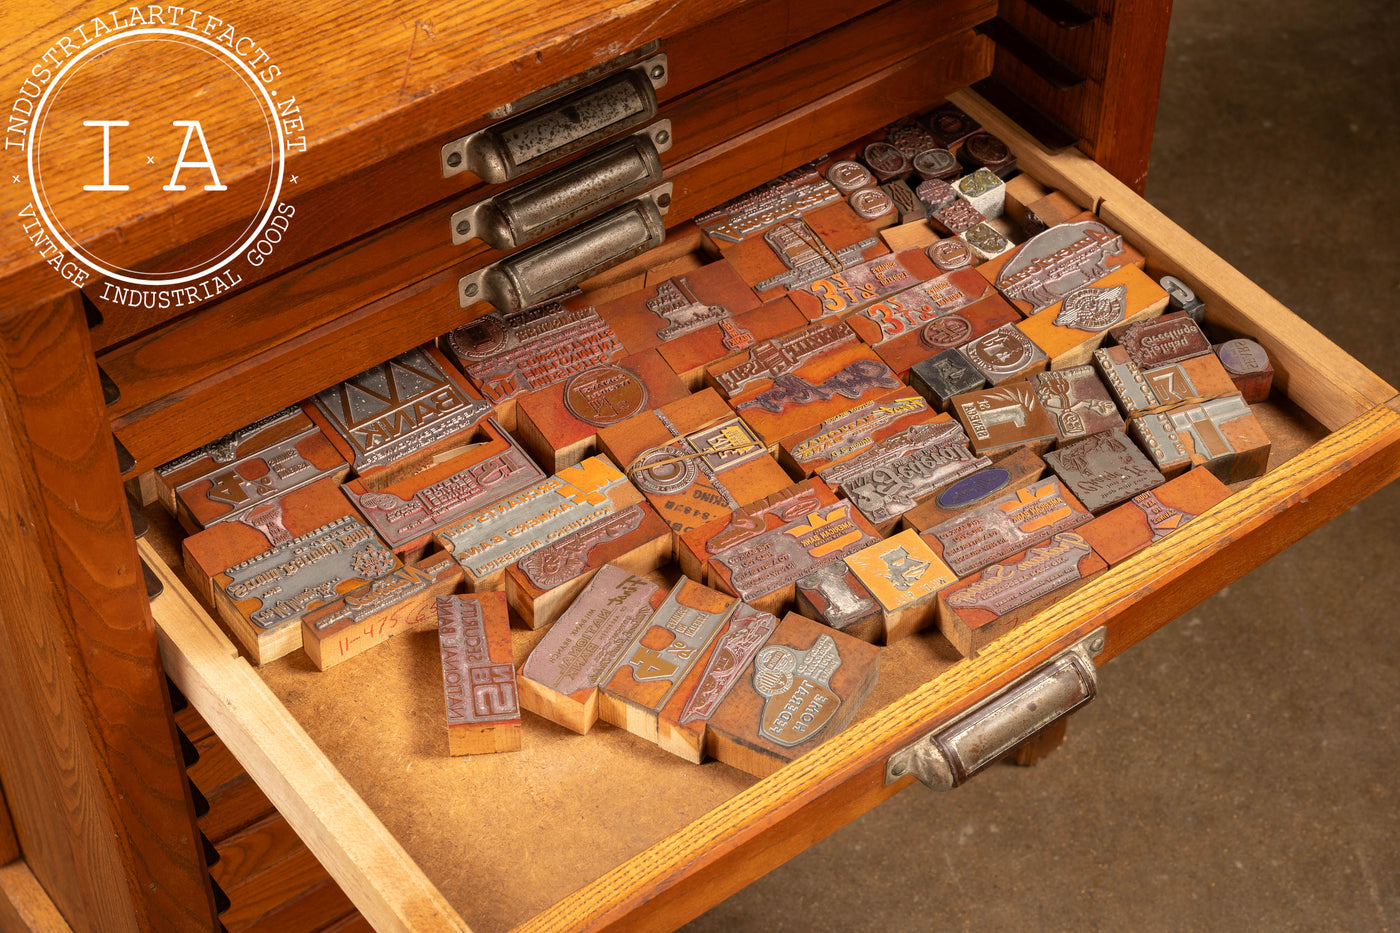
(1004, 417)
(696, 547)
(1002, 526)
(221, 455)
(849, 176)
(791, 253)
(1180, 297)
(1120, 533)
(874, 206)
(886, 161)
(949, 125)
(1078, 401)
(704, 299)
(835, 597)
(909, 137)
(1221, 434)
(1005, 354)
(955, 217)
(478, 675)
(1020, 468)
(856, 287)
(985, 242)
(935, 193)
(1248, 366)
(936, 162)
(852, 432)
(950, 254)
(688, 355)
(983, 150)
(984, 191)
(1104, 470)
(910, 208)
(1170, 338)
(904, 575)
(1051, 265)
(778, 356)
(787, 197)
(1070, 330)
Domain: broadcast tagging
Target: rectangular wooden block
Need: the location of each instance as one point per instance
(1190, 381)
(559, 680)
(1053, 209)
(999, 419)
(835, 597)
(1104, 470)
(1220, 434)
(854, 287)
(378, 611)
(1051, 265)
(794, 252)
(787, 197)
(1011, 522)
(1005, 354)
(1169, 338)
(806, 684)
(1120, 533)
(702, 299)
(1019, 468)
(981, 608)
(901, 319)
(911, 234)
(690, 353)
(849, 433)
(944, 376)
(766, 361)
(1071, 329)
(695, 548)
(543, 583)
(478, 674)
(904, 576)
(1078, 400)
(1248, 366)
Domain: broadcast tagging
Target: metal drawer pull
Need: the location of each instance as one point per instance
(546, 134)
(951, 754)
(552, 202)
(558, 264)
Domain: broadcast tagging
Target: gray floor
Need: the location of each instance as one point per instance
(1239, 771)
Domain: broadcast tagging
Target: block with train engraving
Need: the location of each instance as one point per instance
(1010, 415)
(1011, 522)
(1248, 365)
(1005, 355)
(981, 608)
(378, 611)
(794, 252)
(391, 419)
(854, 287)
(835, 597)
(690, 353)
(696, 547)
(1120, 533)
(478, 674)
(707, 298)
(490, 539)
(1071, 329)
(1019, 468)
(1104, 469)
(559, 680)
(1050, 266)
(788, 197)
(852, 432)
(1170, 338)
(542, 584)
(1078, 401)
(806, 684)
(266, 569)
(904, 575)
(1221, 434)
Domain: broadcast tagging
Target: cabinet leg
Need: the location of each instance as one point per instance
(1041, 744)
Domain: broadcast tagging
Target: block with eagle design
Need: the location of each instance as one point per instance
(1104, 470)
(1122, 532)
(1071, 329)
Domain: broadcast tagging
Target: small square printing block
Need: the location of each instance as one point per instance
(1078, 400)
(1005, 354)
(1104, 470)
(904, 575)
(1004, 417)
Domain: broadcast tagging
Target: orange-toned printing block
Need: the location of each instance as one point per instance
(1007, 524)
(378, 611)
(854, 287)
(696, 547)
(1008, 416)
(689, 354)
(808, 452)
(1221, 434)
(904, 576)
(478, 675)
(1122, 532)
(264, 571)
(910, 327)
(1071, 329)
(1019, 468)
(1051, 265)
(559, 424)
(701, 299)
(806, 684)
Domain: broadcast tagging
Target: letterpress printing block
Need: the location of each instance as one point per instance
(936, 163)
(984, 191)
(849, 176)
(1170, 338)
(559, 424)
(1007, 416)
(787, 254)
(909, 137)
(852, 432)
(885, 161)
(1051, 265)
(935, 193)
(507, 355)
(1104, 470)
(542, 584)
(1221, 434)
(913, 235)
(1248, 366)
(1190, 381)
(559, 680)
(1078, 400)
(666, 310)
(658, 663)
(788, 197)
(948, 330)
(835, 597)
(985, 242)
(875, 207)
(236, 473)
(696, 546)
(1019, 468)
(391, 419)
(1070, 330)
(949, 125)
(983, 150)
(1120, 533)
(1054, 209)
(1005, 354)
(904, 575)
(939, 378)
(856, 287)
(775, 357)
(1009, 523)
(955, 217)
(490, 539)
(266, 569)
(376, 612)
(693, 459)
(688, 355)
(951, 254)
(762, 570)
(1125, 380)
(806, 684)
(897, 472)
(478, 675)
(1182, 298)
(981, 608)
(910, 208)
(1021, 191)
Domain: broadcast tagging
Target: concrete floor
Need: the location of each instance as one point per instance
(1239, 769)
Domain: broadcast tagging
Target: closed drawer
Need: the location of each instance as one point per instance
(605, 831)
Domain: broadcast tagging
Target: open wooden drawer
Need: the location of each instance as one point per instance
(606, 831)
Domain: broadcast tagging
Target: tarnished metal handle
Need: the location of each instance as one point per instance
(546, 134)
(551, 268)
(951, 754)
(552, 202)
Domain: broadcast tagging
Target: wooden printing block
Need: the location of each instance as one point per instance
(950, 254)
(490, 539)
(249, 467)
(701, 299)
(875, 207)
(767, 360)
(378, 611)
(981, 608)
(1120, 533)
(1053, 209)
(984, 191)
(1021, 191)
(849, 433)
(983, 150)
(478, 675)
(542, 584)
(559, 424)
(1009, 523)
(1104, 470)
(916, 234)
(1004, 417)
(506, 355)
(787, 197)
(1021, 468)
(849, 176)
(392, 419)
(797, 251)
(1190, 381)
(857, 286)
(266, 569)
(955, 217)
(909, 137)
(688, 355)
(1070, 330)
(1170, 338)
(904, 576)
(665, 659)
(806, 684)
(1248, 366)
(762, 570)
(1051, 265)
(904, 468)
(950, 125)
(985, 241)
(942, 377)
(1221, 434)
(1005, 354)
(693, 459)
(936, 162)
(1126, 381)
(559, 680)
(835, 597)
(695, 547)
(886, 161)
(1078, 401)
(910, 208)
(408, 512)
(935, 193)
